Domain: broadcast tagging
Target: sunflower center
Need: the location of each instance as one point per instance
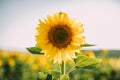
(60, 36)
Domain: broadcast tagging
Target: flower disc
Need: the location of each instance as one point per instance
(60, 36)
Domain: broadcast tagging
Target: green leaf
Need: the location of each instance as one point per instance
(87, 62)
(49, 77)
(87, 45)
(55, 74)
(34, 50)
(42, 75)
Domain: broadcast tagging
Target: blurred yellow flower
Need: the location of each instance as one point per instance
(41, 60)
(14, 54)
(1, 63)
(89, 54)
(22, 56)
(35, 67)
(59, 37)
(11, 62)
(29, 59)
(48, 67)
(115, 63)
(104, 51)
(1, 53)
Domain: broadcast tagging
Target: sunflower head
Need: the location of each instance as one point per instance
(59, 37)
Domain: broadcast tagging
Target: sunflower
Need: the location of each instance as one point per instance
(89, 54)
(59, 37)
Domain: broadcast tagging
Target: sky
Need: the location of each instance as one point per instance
(19, 18)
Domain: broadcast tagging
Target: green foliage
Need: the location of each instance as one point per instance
(55, 74)
(34, 50)
(42, 75)
(24, 70)
(87, 62)
(50, 75)
(64, 77)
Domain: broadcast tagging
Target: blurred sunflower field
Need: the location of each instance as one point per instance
(15, 65)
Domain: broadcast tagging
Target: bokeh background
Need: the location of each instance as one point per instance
(19, 18)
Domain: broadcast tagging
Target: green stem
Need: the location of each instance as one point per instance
(63, 68)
